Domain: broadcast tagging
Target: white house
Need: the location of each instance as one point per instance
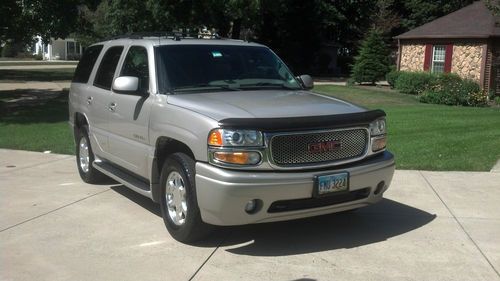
(58, 49)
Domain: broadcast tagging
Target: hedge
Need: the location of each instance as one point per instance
(444, 88)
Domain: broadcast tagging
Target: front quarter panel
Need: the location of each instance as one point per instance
(181, 124)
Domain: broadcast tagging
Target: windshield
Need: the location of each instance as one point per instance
(195, 68)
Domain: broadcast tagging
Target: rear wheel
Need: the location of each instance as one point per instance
(179, 205)
(85, 158)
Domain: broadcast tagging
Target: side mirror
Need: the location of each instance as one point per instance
(126, 85)
(307, 81)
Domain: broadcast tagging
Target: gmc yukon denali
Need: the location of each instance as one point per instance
(220, 132)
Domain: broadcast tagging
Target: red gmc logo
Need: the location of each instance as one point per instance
(324, 146)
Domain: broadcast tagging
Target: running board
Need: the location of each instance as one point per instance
(124, 178)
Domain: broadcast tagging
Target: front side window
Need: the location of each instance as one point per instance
(136, 65)
(107, 68)
(438, 57)
(192, 68)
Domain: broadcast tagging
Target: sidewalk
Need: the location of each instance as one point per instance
(35, 85)
(431, 226)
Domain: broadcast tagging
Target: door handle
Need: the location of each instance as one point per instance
(112, 107)
(89, 100)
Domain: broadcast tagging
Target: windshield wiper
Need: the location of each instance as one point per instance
(204, 87)
(268, 85)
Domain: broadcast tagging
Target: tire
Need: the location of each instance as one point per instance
(84, 162)
(177, 182)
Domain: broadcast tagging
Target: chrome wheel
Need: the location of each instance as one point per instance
(83, 151)
(175, 197)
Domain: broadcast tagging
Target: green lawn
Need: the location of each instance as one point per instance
(34, 119)
(43, 75)
(431, 137)
(37, 121)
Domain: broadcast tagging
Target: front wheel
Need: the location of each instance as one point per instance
(179, 205)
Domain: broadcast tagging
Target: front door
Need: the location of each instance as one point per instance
(129, 115)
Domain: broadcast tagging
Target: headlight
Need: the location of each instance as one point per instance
(378, 133)
(378, 127)
(225, 137)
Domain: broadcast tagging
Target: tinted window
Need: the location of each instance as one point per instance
(193, 67)
(106, 71)
(86, 64)
(136, 64)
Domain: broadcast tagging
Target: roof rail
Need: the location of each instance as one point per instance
(175, 35)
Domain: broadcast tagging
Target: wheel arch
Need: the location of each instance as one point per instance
(164, 147)
(80, 121)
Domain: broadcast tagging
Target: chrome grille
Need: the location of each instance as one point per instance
(293, 149)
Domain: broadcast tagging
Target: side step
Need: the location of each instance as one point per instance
(124, 178)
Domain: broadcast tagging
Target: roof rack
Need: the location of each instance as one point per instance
(175, 35)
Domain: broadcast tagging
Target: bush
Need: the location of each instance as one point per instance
(497, 100)
(452, 90)
(392, 76)
(413, 83)
(10, 50)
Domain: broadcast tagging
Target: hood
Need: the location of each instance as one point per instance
(262, 104)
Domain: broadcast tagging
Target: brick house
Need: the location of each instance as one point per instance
(465, 42)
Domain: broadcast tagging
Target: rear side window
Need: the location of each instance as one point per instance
(106, 71)
(86, 64)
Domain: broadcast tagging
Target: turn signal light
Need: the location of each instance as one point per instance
(238, 158)
(215, 138)
(379, 143)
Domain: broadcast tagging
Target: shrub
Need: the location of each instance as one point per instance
(413, 83)
(9, 50)
(452, 90)
(372, 63)
(392, 76)
(497, 100)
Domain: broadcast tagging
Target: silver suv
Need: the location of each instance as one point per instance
(220, 132)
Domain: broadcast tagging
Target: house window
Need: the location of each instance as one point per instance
(438, 57)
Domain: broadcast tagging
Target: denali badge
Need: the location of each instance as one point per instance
(325, 146)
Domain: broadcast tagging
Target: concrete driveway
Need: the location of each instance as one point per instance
(432, 226)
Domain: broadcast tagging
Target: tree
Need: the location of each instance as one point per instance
(372, 63)
(51, 18)
(418, 12)
(494, 6)
(14, 29)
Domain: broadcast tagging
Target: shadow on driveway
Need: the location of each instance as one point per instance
(368, 225)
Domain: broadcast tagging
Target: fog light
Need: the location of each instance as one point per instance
(379, 188)
(239, 158)
(379, 143)
(251, 206)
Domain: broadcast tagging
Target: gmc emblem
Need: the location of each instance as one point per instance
(325, 146)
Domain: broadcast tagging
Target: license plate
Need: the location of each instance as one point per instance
(334, 183)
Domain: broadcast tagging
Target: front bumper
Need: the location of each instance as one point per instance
(222, 194)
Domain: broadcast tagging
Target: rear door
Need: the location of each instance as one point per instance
(98, 96)
(129, 119)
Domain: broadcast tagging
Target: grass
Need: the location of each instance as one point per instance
(35, 120)
(431, 137)
(32, 119)
(43, 75)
